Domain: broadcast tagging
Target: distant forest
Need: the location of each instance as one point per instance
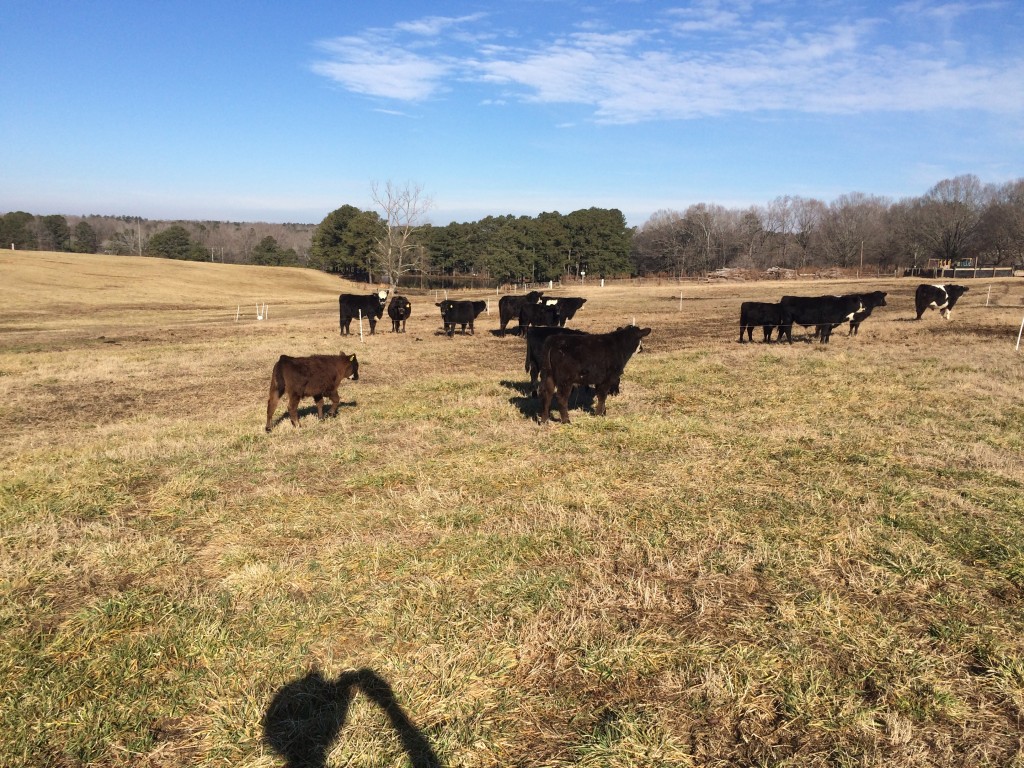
(957, 219)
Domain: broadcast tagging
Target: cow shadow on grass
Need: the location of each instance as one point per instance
(306, 716)
(582, 398)
(310, 410)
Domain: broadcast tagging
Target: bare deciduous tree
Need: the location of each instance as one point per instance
(398, 250)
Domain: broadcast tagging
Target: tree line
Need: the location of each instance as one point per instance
(959, 218)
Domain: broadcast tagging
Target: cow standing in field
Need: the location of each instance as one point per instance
(352, 305)
(535, 338)
(824, 311)
(597, 360)
(399, 310)
(762, 313)
(537, 315)
(940, 297)
(509, 307)
(460, 313)
(567, 307)
(868, 301)
(317, 376)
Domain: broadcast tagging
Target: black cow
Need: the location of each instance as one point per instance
(567, 306)
(350, 305)
(535, 338)
(537, 314)
(940, 297)
(763, 313)
(460, 313)
(826, 311)
(570, 361)
(399, 310)
(509, 306)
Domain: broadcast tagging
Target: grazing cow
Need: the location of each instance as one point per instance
(826, 311)
(765, 314)
(940, 297)
(460, 313)
(535, 338)
(399, 310)
(598, 360)
(509, 306)
(315, 377)
(537, 314)
(371, 306)
(567, 307)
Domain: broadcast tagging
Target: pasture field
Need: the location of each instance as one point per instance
(765, 555)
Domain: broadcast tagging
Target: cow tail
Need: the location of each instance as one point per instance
(277, 379)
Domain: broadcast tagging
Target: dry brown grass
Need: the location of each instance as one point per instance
(764, 555)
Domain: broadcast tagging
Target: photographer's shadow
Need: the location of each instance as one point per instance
(305, 717)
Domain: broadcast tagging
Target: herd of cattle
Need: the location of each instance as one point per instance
(559, 359)
(827, 312)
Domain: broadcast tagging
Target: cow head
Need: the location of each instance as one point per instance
(382, 297)
(353, 366)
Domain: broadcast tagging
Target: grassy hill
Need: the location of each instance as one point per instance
(763, 555)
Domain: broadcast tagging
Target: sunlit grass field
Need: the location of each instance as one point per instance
(766, 555)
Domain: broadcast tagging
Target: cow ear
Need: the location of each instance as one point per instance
(352, 358)
(645, 332)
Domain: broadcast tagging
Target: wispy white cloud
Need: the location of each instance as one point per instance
(666, 71)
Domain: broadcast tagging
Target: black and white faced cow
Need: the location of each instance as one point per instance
(940, 297)
(355, 305)
(567, 307)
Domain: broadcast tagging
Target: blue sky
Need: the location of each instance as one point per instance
(283, 112)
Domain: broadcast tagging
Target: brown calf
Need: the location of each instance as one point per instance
(314, 377)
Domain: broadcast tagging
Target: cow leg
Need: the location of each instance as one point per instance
(272, 405)
(293, 409)
(602, 395)
(563, 404)
(335, 402)
(547, 389)
(319, 400)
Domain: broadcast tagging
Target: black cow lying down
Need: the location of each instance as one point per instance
(460, 313)
(315, 377)
(597, 360)
(826, 311)
(940, 297)
(762, 313)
